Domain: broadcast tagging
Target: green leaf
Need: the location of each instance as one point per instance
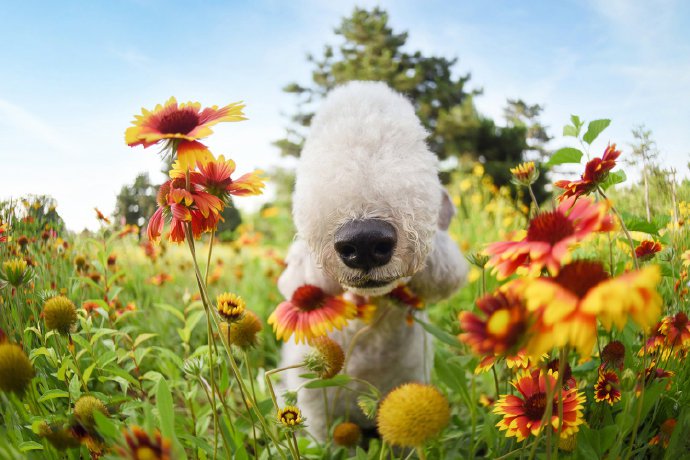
(105, 425)
(577, 123)
(166, 413)
(638, 224)
(570, 131)
(29, 445)
(87, 373)
(615, 177)
(52, 394)
(440, 334)
(337, 381)
(565, 155)
(141, 338)
(595, 128)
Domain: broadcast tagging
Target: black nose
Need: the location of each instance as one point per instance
(365, 243)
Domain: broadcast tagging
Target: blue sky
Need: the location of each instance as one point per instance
(74, 74)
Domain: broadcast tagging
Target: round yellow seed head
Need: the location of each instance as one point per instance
(412, 414)
(60, 314)
(84, 409)
(230, 306)
(326, 358)
(244, 332)
(16, 370)
(347, 434)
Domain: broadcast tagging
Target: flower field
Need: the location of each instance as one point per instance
(568, 340)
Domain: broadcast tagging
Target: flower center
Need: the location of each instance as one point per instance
(146, 453)
(614, 352)
(179, 121)
(535, 406)
(308, 297)
(499, 323)
(680, 321)
(550, 227)
(580, 276)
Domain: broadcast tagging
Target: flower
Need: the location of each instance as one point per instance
(523, 413)
(310, 313)
(140, 446)
(84, 409)
(500, 329)
(664, 434)
(16, 370)
(676, 329)
(613, 355)
(101, 217)
(59, 314)
(647, 249)
(347, 434)
(230, 306)
(243, 333)
(411, 414)
(16, 272)
(290, 417)
(214, 176)
(518, 361)
(160, 279)
(128, 229)
(566, 308)
(524, 174)
(596, 172)
(183, 121)
(326, 357)
(81, 263)
(685, 257)
(549, 238)
(607, 388)
(567, 378)
(3, 233)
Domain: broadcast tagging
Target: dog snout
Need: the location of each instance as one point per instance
(365, 243)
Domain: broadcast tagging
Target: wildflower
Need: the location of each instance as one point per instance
(101, 217)
(59, 314)
(685, 257)
(647, 249)
(3, 233)
(365, 308)
(676, 329)
(290, 417)
(80, 262)
(518, 361)
(596, 172)
(243, 333)
(141, 446)
(58, 435)
(347, 434)
(567, 379)
(183, 121)
(230, 306)
(524, 174)
(500, 329)
(84, 409)
(568, 306)
(404, 295)
(214, 177)
(523, 413)
(112, 259)
(310, 313)
(16, 370)
(613, 355)
(411, 414)
(160, 279)
(486, 400)
(16, 272)
(549, 237)
(326, 357)
(23, 241)
(607, 388)
(128, 229)
(477, 259)
(663, 437)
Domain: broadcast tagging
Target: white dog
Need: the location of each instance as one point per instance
(370, 214)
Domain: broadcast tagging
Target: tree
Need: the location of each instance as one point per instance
(645, 151)
(136, 202)
(519, 113)
(371, 50)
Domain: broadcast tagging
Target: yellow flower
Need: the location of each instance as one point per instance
(290, 417)
(244, 332)
(326, 358)
(685, 257)
(60, 314)
(478, 170)
(16, 272)
(16, 370)
(412, 414)
(230, 306)
(525, 173)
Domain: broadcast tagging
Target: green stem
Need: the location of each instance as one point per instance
(251, 384)
(623, 227)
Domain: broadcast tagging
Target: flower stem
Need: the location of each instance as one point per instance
(623, 227)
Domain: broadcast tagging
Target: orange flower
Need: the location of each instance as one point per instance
(101, 217)
(607, 388)
(596, 171)
(647, 249)
(184, 121)
(500, 329)
(141, 446)
(549, 237)
(663, 437)
(517, 361)
(676, 329)
(310, 313)
(523, 413)
(3, 233)
(214, 177)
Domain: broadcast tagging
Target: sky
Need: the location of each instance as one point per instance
(74, 74)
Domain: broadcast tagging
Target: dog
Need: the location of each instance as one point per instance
(371, 215)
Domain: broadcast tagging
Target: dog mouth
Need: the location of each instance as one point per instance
(369, 286)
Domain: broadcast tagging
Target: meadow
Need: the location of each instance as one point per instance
(569, 338)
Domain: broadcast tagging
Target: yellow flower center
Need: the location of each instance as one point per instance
(499, 323)
(146, 453)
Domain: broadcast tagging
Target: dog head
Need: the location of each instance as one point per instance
(367, 199)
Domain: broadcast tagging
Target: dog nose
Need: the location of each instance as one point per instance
(365, 243)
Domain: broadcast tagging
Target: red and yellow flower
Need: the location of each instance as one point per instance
(596, 171)
(523, 413)
(607, 388)
(549, 238)
(676, 329)
(663, 437)
(500, 328)
(141, 446)
(310, 313)
(647, 249)
(186, 121)
(214, 177)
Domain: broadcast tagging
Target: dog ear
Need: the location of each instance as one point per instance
(447, 210)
